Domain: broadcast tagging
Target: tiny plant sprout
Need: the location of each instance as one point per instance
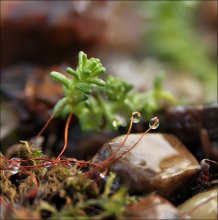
(77, 90)
(80, 86)
(154, 123)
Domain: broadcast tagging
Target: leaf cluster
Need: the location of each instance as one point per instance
(80, 85)
(100, 104)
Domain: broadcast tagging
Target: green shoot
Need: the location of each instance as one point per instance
(100, 104)
(78, 88)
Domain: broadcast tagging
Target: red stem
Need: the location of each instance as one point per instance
(102, 164)
(111, 159)
(65, 136)
(42, 130)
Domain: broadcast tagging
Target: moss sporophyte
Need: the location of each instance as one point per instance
(93, 101)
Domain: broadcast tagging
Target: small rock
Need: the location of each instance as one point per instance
(152, 207)
(187, 121)
(201, 206)
(196, 125)
(159, 162)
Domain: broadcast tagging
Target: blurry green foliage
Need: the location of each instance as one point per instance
(172, 37)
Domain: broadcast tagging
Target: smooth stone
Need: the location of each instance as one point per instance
(159, 162)
(201, 206)
(196, 125)
(187, 121)
(152, 207)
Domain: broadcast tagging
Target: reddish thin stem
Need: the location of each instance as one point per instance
(37, 158)
(65, 136)
(43, 129)
(124, 141)
(110, 160)
(127, 151)
(102, 164)
(71, 160)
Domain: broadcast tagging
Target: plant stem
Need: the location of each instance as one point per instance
(41, 131)
(65, 136)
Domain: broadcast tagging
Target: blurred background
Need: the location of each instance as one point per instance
(135, 40)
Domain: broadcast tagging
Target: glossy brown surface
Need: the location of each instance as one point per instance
(159, 162)
(152, 207)
(188, 121)
(196, 126)
(201, 206)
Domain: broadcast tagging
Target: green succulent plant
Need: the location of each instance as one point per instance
(100, 104)
(80, 86)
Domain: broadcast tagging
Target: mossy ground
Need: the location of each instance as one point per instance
(58, 191)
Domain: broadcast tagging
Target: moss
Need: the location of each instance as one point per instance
(23, 153)
(7, 189)
(62, 192)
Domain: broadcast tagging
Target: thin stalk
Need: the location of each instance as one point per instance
(42, 130)
(111, 157)
(65, 136)
(127, 151)
(123, 142)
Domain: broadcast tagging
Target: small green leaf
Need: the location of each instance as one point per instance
(108, 186)
(84, 88)
(96, 81)
(82, 59)
(81, 97)
(60, 105)
(72, 72)
(92, 65)
(99, 70)
(87, 73)
(60, 78)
